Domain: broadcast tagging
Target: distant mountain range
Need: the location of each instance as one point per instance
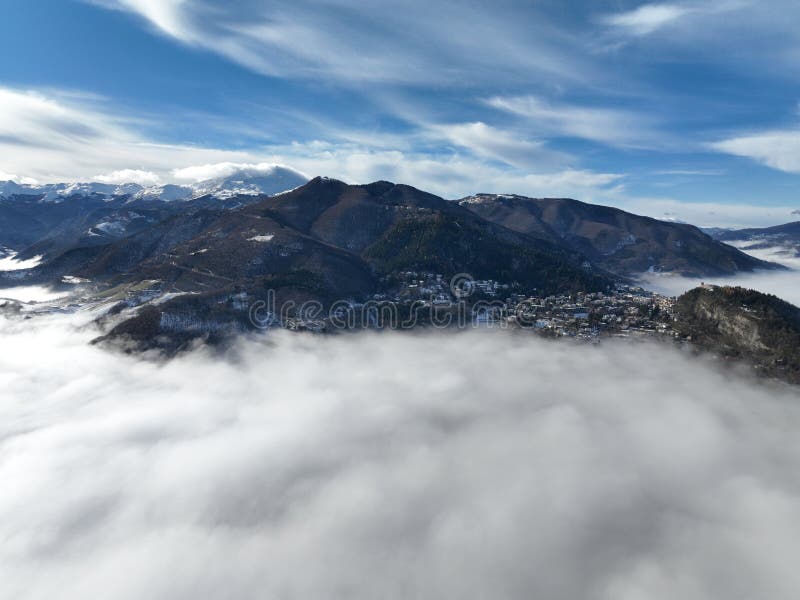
(785, 236)
(242, 182)
(46, 220)
(193, 265)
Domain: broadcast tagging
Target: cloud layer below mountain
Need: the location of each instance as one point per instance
(784, 284)
(473, 465)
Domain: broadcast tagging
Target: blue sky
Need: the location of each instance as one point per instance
(686, 110)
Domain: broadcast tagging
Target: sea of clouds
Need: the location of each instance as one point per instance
(468, 465)
(784, 283)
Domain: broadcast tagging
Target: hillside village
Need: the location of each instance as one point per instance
(624, 311)
(422, 298)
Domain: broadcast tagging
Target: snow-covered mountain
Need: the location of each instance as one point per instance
(54, 192)
(252, 181)
(243, 181)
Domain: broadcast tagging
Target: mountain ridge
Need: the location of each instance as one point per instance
(619, 241)
(375, 224)
(203, 262)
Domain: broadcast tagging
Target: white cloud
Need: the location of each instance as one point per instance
(9, 262)
(560, 183)
(778, 149)
(779, 254)
(301, 39)
(451, 175)
(704, 214)
(691, 172)
(29, 293)
(768, 41)
(490, 142)
(54, 138)
(647, 18)
(58, 137)
(17, 179)
(226, 169)
(165, 15)
(129, 176)
(452, 466)
(608, 126)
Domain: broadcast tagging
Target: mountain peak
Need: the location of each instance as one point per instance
(252, 181)
(325, 180)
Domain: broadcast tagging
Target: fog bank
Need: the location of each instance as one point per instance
(9, 262)
(784, 284)
(471, 465)
(31, 293)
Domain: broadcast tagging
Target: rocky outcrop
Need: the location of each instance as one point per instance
(743, 324)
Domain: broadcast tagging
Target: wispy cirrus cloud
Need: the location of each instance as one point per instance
(701, 33)
(683, 17)
(67, 137)
(48, 136)
(510, 91)
(704, 213)
(169, 16)
(611, 126)
(51, 137)
(404, 39)
(503, 145)
(779, 149)
(452, 160)
(647, 18)
(451, 174)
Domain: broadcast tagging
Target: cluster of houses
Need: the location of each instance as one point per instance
(625, 311)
